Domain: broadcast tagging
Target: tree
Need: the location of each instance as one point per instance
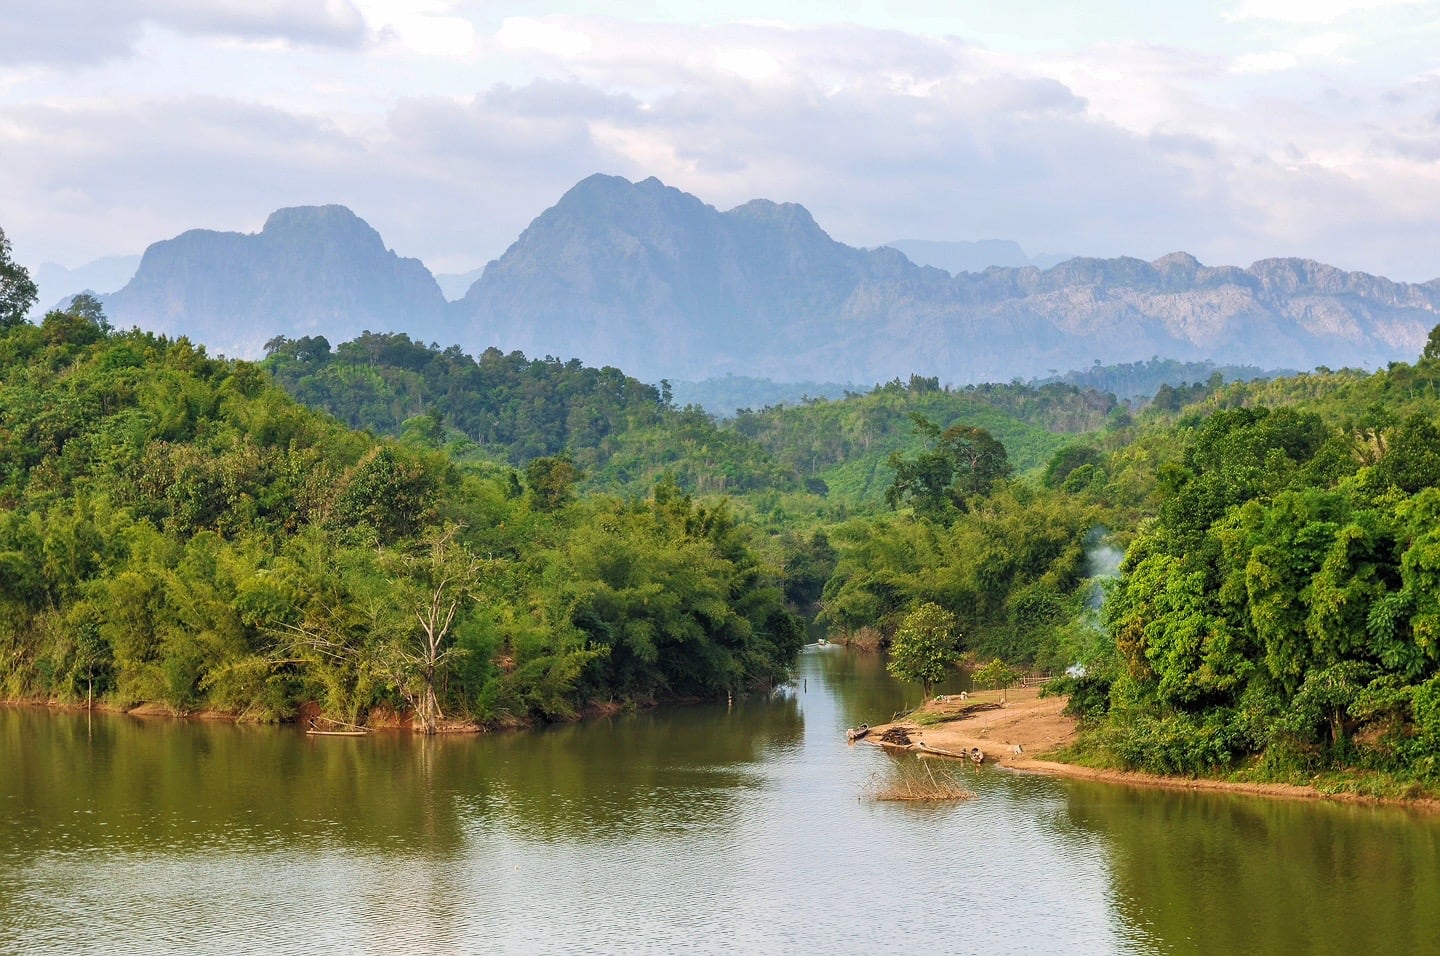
(1432, 345)
(395, 621)
(17, 289)
(83, 322)
(436, 579)
(924, 646)
(552, 481)
(996, 674)
(962, 462)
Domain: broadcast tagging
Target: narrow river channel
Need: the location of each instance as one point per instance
(691, 829)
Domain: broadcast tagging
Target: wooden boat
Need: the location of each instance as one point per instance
(340, 730)
(922, 747)
(856, 733)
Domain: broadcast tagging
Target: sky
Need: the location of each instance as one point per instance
(1235, 130)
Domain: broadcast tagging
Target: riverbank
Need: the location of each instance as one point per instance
(1026, 732)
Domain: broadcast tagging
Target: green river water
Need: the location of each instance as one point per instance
(689, 829)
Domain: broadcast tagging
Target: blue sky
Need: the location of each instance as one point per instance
(1234, 130)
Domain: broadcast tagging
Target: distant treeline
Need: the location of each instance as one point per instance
(1165, 380)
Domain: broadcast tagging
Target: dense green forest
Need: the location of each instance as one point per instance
(509, 540)
(175, 529)
(623, 434)
(1279, 608)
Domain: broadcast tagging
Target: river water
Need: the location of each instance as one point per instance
(695, 829)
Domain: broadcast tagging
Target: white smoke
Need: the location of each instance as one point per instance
(1102, 563)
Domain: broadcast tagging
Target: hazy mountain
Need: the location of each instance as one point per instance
(957, 257)
(650, 279)
(310, 270)
(646, 277)
(57, 283)
(454, 285)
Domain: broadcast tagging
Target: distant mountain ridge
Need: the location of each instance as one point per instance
(647, 278)
(310, 270)
(58, 283)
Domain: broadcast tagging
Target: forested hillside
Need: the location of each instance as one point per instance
(623, 434)
(620, 433)
(177, 530)
(1281, 609)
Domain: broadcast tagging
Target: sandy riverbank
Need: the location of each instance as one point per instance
(1036, 725)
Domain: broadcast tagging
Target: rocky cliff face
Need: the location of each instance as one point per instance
(310, 270)
(652, 280)
(644, 276)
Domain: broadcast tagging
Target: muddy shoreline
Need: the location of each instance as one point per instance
(1020, 733)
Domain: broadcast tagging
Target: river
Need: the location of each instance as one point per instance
(688, 829)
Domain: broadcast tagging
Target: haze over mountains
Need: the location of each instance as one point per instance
(652, 280)
(55, 282)
(955, 257)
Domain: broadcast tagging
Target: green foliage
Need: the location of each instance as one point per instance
(1280, 605)
(961, 464)
(1175, 743)
(1431, 351)
(925, 646)
(996, 674)
(552, 482)
(176, 530)
(1014, 564)
(17, 289)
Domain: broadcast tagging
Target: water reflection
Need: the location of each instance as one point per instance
(863, 691)
(696, 828)
(1222, 873)
(130, 783)
(673, 770)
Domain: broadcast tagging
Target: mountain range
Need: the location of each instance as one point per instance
(656, 282)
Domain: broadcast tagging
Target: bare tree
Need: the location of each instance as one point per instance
(407, 620)
(438, 579)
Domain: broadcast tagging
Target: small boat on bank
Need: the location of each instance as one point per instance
(922, 747)
(857, 733)
(339, 730)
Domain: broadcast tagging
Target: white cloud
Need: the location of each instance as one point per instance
(85, 33)
(1271, 61)
(423, 27)
(1312, 11)
(449, 141)
(543, 36)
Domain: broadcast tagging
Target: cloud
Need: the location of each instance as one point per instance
(83, 32)
(1312, 11)
(1118, 148)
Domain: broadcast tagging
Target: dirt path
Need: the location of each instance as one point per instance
(1036, 726)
